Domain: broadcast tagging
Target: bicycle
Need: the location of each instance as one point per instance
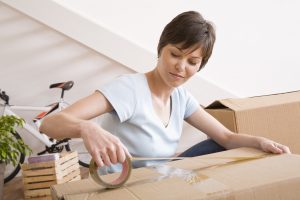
(51, 145)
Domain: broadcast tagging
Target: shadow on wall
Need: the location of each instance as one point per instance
(33, 56)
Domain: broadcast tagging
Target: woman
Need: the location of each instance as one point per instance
(147, 110)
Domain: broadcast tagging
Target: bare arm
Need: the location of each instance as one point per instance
(204, 122)
(73, 121)
(69, 122)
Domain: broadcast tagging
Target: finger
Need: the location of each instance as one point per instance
(284, 148)
(112, 155)
(126, 151)
(121, 154)
(275, 149)
(97, 159)
(105, 158)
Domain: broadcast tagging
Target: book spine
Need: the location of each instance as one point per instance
(43, 158)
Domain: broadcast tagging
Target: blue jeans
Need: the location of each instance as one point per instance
(205, 147)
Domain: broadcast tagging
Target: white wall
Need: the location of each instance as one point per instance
(32, 56)
(92, 33)
(257, 48)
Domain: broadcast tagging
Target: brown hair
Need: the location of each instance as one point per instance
(189, 29)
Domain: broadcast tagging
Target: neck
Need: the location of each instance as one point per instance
(157, 86)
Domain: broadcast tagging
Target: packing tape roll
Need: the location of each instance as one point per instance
(126, 171)
(118, 182)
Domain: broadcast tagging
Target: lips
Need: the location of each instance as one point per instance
(176, 75)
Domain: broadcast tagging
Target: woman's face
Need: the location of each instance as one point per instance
(176, 65)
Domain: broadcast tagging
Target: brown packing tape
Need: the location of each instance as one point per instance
(188, 175)
(118, 182)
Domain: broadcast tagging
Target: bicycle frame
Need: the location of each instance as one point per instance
(9, 110)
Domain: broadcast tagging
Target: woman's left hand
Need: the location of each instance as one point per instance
(273, 147)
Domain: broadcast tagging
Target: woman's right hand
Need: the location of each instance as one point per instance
(73, 122)
(105, 148)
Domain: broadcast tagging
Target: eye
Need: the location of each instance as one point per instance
(193, 63)
(174, 55)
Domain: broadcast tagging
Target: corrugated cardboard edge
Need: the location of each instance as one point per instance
(240, 104)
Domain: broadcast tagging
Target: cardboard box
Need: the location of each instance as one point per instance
(39, 176)
(272, 116)
(216, 176)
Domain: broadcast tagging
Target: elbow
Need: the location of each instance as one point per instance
(45, 127)
(227, 140)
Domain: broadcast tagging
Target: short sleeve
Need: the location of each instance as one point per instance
(121, 94)
(191, 105)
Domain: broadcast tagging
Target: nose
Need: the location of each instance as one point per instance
(180, 65)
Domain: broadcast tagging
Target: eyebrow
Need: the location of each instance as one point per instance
(178, 48)
(182, 51)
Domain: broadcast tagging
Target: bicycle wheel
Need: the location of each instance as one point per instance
(76, 144)
(10, 170)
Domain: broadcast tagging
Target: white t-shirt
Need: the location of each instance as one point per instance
(135, 122)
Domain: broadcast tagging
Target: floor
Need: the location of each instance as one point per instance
(13, 190)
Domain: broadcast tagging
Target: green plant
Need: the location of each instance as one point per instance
(10, 146)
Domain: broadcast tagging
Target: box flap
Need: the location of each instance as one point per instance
(225, 116)
(239, 104)
(218, 176)
(216, 105)
(232, 104)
